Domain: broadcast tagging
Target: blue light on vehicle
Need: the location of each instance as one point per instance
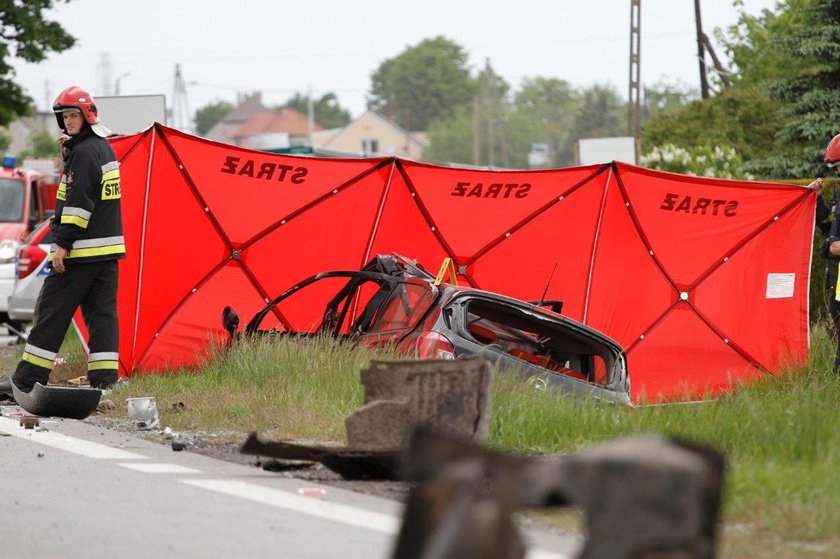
(9, 161)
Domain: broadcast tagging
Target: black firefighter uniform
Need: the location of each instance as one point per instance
(88, 224)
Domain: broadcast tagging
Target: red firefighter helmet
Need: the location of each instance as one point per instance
(832, 152)
(76, 98)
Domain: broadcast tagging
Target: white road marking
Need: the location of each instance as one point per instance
(62, 442)
(158, 468)
(344, 514)
(313, 506)
(534, 553)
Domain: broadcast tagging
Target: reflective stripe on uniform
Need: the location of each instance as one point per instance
(104, 356)
(62, 191)
(837, 287)
(75, 216)
(94, 247)
(98, 243)
(111, 181)
(99, 251)
(37, 356)
(103, 360)
(103, 365)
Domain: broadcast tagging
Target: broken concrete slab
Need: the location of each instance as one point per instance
(58, 401)
(443, 395)
(449, 396)
(349, 463)
(642, 496)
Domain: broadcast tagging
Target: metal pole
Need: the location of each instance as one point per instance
(701, 52)
(634, 105)
(721, 71)
(310, 114)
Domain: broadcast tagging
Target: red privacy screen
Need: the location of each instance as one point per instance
(703, 281)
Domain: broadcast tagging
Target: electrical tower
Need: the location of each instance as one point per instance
(634, 105)
(106, 74)
(180, 116)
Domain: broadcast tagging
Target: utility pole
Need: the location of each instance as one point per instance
(476, 132)
(310, 114)
(721, 71)
(634, 105)
(491, 98)
(180, 110)
(701, 52)
(106, 73)
(117, 82)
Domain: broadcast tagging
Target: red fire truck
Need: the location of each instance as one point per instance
(27, 197)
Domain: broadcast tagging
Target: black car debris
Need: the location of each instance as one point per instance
(393, 301)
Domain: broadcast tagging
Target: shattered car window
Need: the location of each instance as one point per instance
(406, 304)
(526, 336)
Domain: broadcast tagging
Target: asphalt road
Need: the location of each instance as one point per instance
(70, 489)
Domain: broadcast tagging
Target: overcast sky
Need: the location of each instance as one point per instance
(279, 46)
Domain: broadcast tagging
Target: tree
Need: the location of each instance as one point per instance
(327, 112)
(425, 82)
(666, 97)
(28, 35)
(756, 44)
(451, 139)
(42, 144)
(548, 107)
(492, 117)
(602, 113)
(209, 115)
(5, 142)
(744, 118)
(480, 132)
(494, 131)
(810, 97)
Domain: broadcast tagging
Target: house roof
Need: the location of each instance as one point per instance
(287, 120)
(248, 106)
(373, 115)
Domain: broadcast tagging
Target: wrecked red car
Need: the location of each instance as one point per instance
(393, 301)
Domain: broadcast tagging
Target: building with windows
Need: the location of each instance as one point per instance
(372, 135)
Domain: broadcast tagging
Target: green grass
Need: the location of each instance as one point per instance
(294, 388)
(781, 436)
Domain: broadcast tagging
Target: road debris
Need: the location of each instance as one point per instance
(312, 491)
(58, 401)
(144, 412)
(449, 396)
(642, 496)
(29, 421)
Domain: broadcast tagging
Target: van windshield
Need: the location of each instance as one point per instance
(11, 200)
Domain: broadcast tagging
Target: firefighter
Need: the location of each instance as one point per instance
(832, 159)
(87, 242)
